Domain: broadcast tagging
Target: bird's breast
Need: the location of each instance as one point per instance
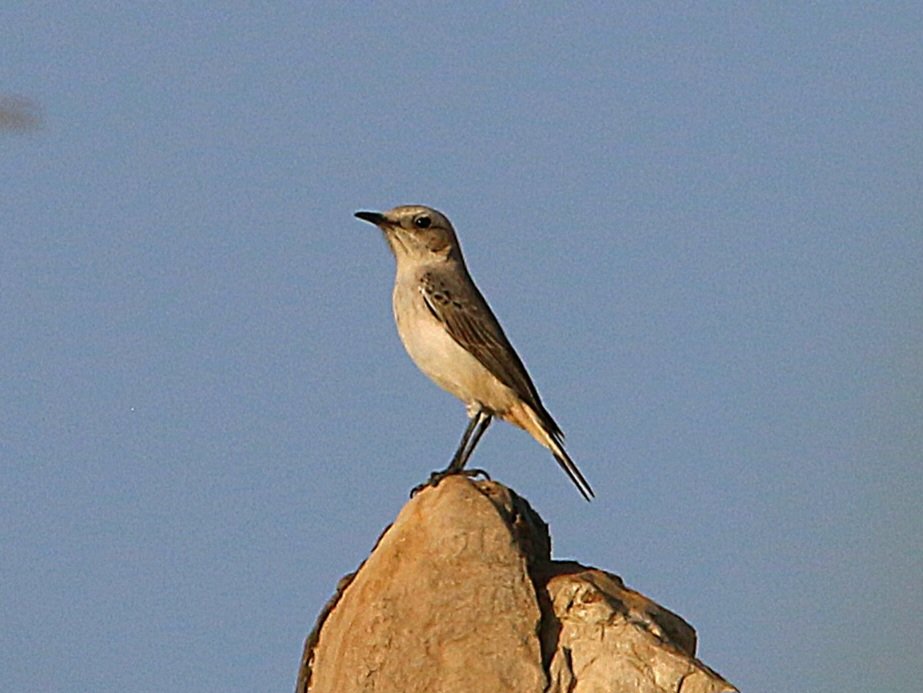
(440, 357)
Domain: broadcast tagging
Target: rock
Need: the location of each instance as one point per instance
(603, 636)
(460, 594)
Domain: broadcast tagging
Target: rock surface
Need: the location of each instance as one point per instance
(460, 594)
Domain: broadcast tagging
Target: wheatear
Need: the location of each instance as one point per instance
(452, 335)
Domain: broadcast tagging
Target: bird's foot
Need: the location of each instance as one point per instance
(436, 477)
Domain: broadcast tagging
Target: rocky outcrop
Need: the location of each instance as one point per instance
(460, 594)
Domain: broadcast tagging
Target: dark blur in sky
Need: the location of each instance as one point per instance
(702, 227)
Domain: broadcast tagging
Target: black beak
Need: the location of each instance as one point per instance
(372, 217)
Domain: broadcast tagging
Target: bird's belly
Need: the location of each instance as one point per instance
(448, 364)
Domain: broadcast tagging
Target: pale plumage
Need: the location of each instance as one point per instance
(454, 338)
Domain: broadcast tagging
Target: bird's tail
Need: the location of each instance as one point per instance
(546, 432)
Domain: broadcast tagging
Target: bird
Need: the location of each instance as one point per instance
(454, 338)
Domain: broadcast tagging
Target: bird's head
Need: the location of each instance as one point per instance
(416, 233)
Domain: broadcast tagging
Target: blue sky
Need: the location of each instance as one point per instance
(701, 226)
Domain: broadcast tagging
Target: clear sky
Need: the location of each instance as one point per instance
(701, 226)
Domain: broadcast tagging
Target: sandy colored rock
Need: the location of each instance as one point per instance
(605, 637)
(460, 594)
(444, 603)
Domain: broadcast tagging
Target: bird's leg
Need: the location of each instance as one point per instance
(459, 458)
(473, 432)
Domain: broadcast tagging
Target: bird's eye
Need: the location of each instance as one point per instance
(422, 222)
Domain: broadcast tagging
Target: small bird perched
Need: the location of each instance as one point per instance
(452, 335)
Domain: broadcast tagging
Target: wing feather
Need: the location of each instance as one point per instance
(470, 322)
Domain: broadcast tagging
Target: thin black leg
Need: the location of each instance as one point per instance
(483, 419)
(473, 432)
(459, 458)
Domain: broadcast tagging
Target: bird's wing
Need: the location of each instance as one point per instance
(470, 322)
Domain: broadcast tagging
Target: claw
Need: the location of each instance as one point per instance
(437, 477)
